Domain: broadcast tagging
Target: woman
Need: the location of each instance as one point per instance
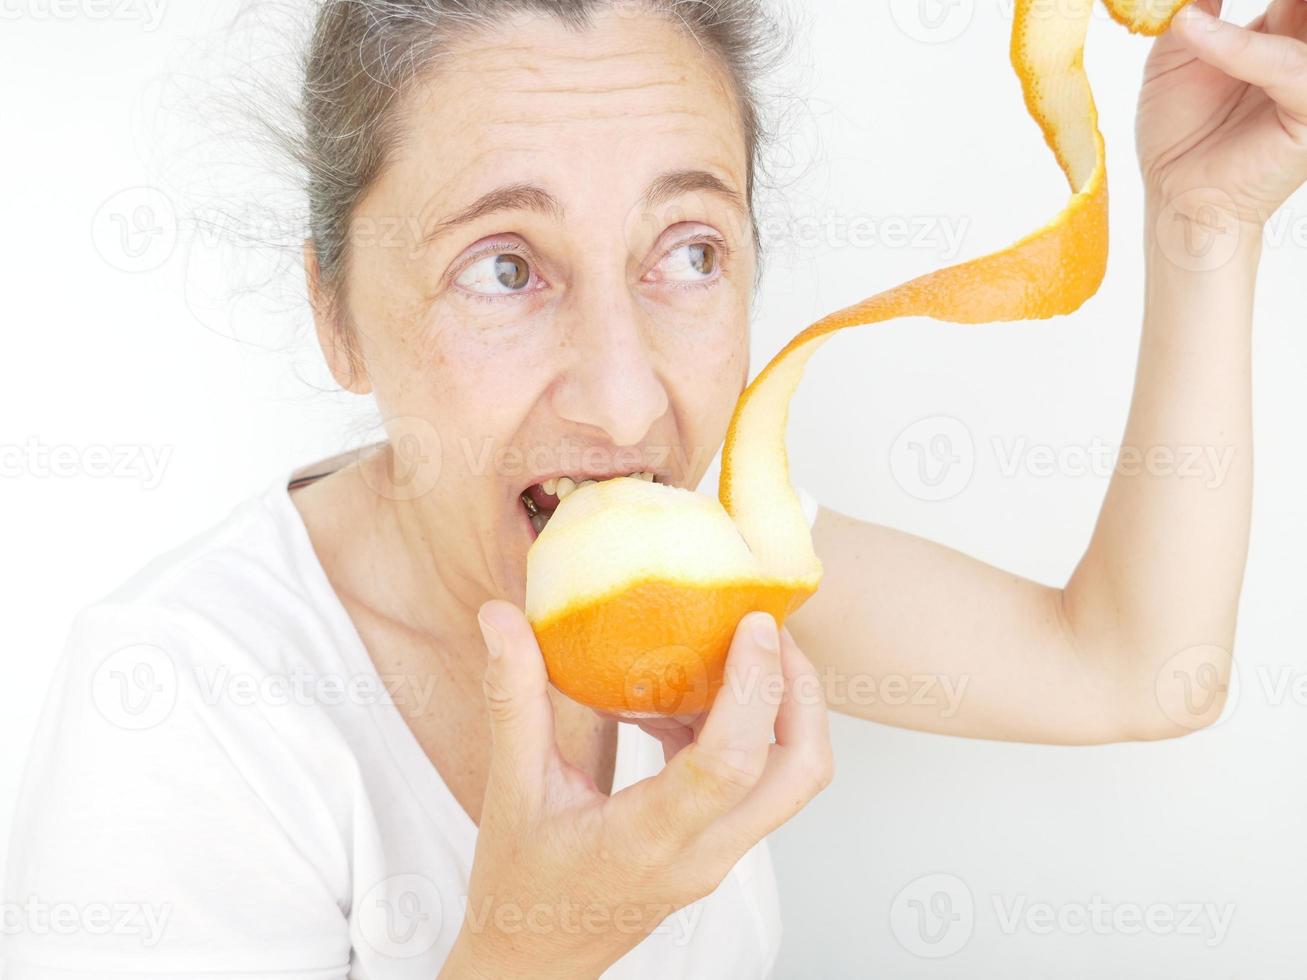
(319, 741)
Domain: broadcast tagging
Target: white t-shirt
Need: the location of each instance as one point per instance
(222, 786)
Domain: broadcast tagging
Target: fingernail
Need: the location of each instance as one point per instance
(494, 639)
(764, 633)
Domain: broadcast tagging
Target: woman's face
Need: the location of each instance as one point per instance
(553, 274)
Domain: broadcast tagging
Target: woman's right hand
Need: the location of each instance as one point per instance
(567, 879)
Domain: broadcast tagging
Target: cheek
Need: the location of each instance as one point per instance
(483, 374)
(707, 342)
(705, 362)
(460, 378)
(446, 354)
(709, 372)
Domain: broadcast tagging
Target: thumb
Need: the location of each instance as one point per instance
(517, 699)
(716, 771)
(1275, 63)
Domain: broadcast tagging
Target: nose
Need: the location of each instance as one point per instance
(612, 382)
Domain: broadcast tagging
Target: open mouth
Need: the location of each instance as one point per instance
(540, 500)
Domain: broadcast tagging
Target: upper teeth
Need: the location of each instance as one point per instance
(564, 485)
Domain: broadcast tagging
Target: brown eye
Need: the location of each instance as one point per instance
(499, 274)
(703, 257)
(511, 271)
(691, 262)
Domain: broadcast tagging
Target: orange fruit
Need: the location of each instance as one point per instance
(634, 589)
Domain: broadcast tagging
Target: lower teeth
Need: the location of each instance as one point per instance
(539, 520)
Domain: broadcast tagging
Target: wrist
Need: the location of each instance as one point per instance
(474, 959)
(1189, 196)
(477, 956)
(1201, 234)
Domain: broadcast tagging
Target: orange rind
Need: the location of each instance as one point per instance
(634, 589)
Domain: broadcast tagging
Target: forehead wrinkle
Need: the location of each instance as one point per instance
(616, 113)
(591, 48)
(592, 90)
(611, 103)
(590, 96)
(494, 55)
(564, 43)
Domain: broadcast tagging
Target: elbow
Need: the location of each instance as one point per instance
(1182, 693)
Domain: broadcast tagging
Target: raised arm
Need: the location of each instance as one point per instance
(1137, 645)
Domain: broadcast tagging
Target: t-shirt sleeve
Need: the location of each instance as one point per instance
(144, 844)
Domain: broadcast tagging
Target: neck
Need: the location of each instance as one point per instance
(380, 554)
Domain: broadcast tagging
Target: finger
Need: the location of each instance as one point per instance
(801, 764)
(715, 772)
(802, 721)
(1170, 44)
(1273, 62)
(1286, 17)
(673, 734)
(517, 700)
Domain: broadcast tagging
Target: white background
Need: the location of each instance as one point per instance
(186, 357)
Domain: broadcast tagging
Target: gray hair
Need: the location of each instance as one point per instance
(364, 55)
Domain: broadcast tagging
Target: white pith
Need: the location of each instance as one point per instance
(631, 531)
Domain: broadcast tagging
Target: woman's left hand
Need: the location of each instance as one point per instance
(1223, 110)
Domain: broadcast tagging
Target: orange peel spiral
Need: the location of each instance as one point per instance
(634, 589)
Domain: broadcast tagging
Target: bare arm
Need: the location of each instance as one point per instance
(1138, 643)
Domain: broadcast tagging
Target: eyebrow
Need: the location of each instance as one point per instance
(532, 197)
(511, 197)
(677, 182)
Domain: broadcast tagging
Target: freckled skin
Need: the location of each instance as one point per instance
(603, 354)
